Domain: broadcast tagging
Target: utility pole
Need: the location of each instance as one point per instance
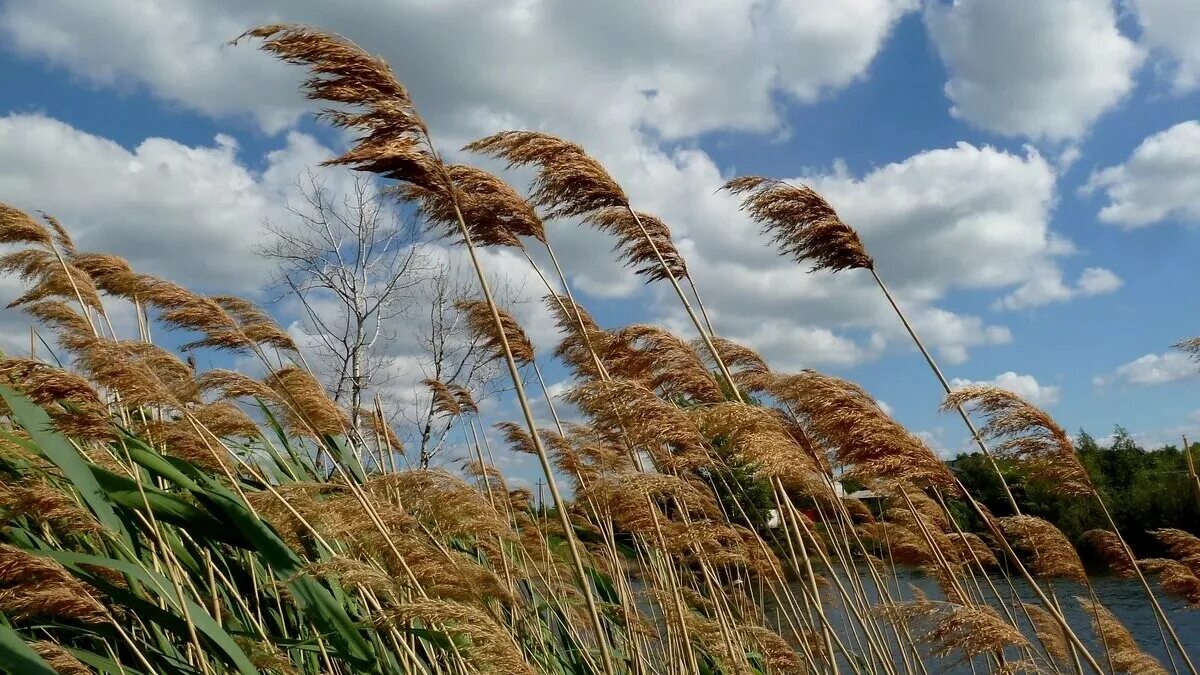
(541, 504)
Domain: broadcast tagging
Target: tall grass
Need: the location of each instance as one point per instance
(164, 520)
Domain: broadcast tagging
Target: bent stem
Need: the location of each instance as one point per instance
(543, 459)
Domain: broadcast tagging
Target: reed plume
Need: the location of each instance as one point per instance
(641, 240)
(482, 326)
(1108, 546)
(1124, 652)
(569, 181)
(1050, 552)
(1027, 435)
(1048, 632)
(495, 214)
(801, 223)
(36, 586)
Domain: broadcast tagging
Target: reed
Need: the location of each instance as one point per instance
(160, 518)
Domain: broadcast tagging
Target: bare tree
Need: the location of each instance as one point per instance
(451, 354)
(353, 266)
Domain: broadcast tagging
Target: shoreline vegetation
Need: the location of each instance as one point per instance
(159, 518)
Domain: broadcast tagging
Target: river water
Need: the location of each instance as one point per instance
(1126, 598)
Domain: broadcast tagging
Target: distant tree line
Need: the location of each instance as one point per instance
(1145, 489)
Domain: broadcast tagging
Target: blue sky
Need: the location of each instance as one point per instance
(1026, 173)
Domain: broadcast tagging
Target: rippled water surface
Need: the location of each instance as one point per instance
(1123, 597)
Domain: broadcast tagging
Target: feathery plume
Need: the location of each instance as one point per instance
(1049, 631)
(1183, 546)
(444, 401)
(569, 182)
(17, 227)
(1026, 434)
(479, 322)
(1123, 650)
(394, 142)
(841, 415)
(307, 410)
(1108, 546)
(33, 586)
(255, 323)
(674, 367)
(1190, 346)
(494, 213)
(641, 240)
(1050, 552)
(1177, 579)
(61, 660)
(801, 223)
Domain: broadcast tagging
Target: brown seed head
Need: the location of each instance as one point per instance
(482, 325)
(1050, 552)
(1026, 434)
(569, 182)
(801, 223)
(494, 213)
(393, 143)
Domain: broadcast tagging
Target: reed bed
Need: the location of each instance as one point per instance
(159, 519)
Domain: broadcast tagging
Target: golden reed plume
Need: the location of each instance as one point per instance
(569, 182)
(482, 325)
(801, 223)
(1027, 435)
(494, 213)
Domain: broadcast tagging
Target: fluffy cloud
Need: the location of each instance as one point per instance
(1170, 28)
(157, 204)
(1160, 180)
(1025, 386)
(1031, 67)
(717, 65)
(1152, 369)
(1050, 288)
(962, 217)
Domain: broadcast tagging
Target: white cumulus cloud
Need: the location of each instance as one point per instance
(1025, 386)
(1160, 181)
(1169, 28)
(1033, 68)
(1152, 369)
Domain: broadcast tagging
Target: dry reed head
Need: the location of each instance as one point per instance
(801, 223)
(43, 503)
(489, 645)
(443, 501)
(672, 366)
(111, 274)
(255, 323)
(69, 399)
(742, 361)
(1176, 578)
(48, 276)
(622, 410)
(381, 432)
(36, 586)
(1050, 552)
(1026, 434)
(644, 242)
(495, 215)
(58, 658)
(569, 182)
(73, 332)
(1182, 546)
(841, 415)
(444, 402)
(117, 367)
(482, 325)
(1048, 631)
(1190, 346)
(17, 227)
(183, 439)
(969, 547)
(1123, 650)
(973, 630)
(308, 410)
(1108, 545)
(394, 141)
(229, 385)
(225, 419)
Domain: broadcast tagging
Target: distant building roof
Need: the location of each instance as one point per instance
(864, 494)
